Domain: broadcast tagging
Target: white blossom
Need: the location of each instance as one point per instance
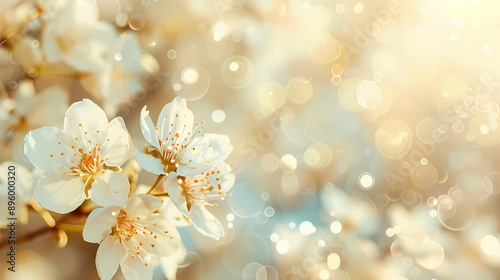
(174, 144)
(130, 237)
(76, 36)
(191, 195)
(80, 159)
(119, 78)
(28, 111)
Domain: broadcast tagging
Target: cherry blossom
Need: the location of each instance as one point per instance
(28, 111)
(81, 159)
(76, 36)
(119, 78)
(175, 145)
(191, 195)
(131, 237)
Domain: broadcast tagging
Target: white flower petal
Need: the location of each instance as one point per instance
(175, 117)
(107, 259)
(206, 223)
(220, 178)
(99, 223)
(176, 193)
(169, 264)
(49, 149)
(210, 150)
(59, 192)
(136, 268)
(85, 116)
(223, 167)
(149, 163)
(155, 236)
(172, 213)
(167, 241)
(148, 129)
(214, 147)
(110, 188)
(116, 147)
(142, 205)
(192, 169)
(228, 182)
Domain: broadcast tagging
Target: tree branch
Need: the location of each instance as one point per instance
(156, 183)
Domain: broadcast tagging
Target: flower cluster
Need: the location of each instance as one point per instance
(136, 229)
(193, 161)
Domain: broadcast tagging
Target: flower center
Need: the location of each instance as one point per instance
(169, 156)
(90, 163)
(126, 229)
(133, 232)
(200, 190)
(177, 148)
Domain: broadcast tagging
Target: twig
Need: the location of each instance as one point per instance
(28, 237)
(61, 224)
(156, 183)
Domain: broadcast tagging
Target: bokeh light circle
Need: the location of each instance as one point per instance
(491, 182)
(271, 96)
(369, 95)
(393, 139)
(191, 82)
(136, 22)
(109, 10)
(299, 90)
(237, 72)
(366, 180)
(455, 212)
(424, 175)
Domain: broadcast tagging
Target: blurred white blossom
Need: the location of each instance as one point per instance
(76, 36)
(28, 111)
(25, 181)
(119, 78)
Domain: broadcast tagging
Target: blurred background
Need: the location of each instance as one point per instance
(365, 133)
